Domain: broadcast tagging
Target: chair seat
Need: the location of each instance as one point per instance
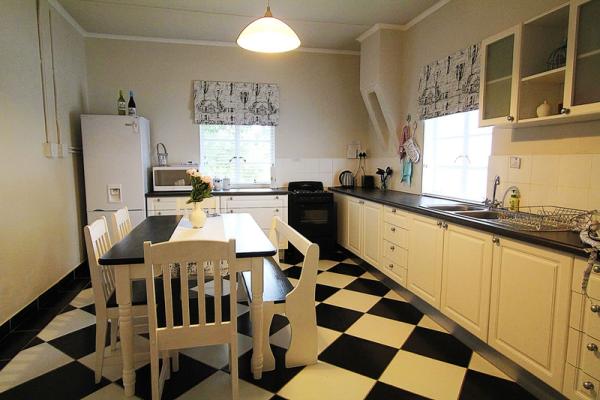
(276, 285)
(138, 294)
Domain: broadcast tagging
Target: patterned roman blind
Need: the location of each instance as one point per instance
(450, 85)
(236, 103)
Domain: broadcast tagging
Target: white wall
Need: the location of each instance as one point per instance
(40, 206)
(321, 107)
(455, 26)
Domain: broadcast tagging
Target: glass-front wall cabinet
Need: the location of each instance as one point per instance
(497, 100)
(584, 93)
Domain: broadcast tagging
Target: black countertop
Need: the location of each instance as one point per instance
(230, 192)
(568, 242)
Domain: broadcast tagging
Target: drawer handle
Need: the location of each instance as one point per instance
(392, 248)
(496, 240)
(277, 210)
(393, 229)
(592, 347)
(595, 308)
(391, 266)
(439, 224)
(394, 210)
(587, 385)
(158, 200)
(276, 197)
(596, 269)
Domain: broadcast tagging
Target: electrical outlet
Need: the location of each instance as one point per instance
(63, 150)
(50, 150)
(515, 162)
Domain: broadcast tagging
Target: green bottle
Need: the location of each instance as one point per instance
(122, 104)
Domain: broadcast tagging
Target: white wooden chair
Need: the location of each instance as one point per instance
(281, 297)
(121, 223)
(181, 327)
(97, 242)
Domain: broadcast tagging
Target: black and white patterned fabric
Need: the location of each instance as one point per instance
(236, 103)
(373, 344)
(450, 85)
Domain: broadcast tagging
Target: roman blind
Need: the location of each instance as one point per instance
(236, 103)
(450, 85)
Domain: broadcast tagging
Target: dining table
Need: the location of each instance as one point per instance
(127, 259)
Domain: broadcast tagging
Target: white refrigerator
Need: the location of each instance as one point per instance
(116, 162)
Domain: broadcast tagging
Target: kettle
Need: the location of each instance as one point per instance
(163, 158)
(346, 179)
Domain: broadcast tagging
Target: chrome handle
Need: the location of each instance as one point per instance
(276, 197)
(510, 118)
(595, 308)
(393, 229)
(496, 240)
(587, 385)
(592, 347)
(596, 269)
(391, 266)
(394, 210)
(439, 224)
(277, 210)
(445, 225)
(392, 248)
(564, 111)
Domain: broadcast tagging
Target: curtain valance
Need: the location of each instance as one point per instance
(236, 103)
(450, 85)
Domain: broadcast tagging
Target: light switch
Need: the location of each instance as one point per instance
(515, 162)
(114, 194)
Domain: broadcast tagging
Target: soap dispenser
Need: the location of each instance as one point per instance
(513, 203)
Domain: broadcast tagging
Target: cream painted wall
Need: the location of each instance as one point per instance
(321, 107)
(40, 206)
(455, 26)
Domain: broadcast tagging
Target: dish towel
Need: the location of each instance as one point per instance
(406, 170)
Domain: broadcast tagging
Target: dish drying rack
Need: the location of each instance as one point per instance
(545, 218)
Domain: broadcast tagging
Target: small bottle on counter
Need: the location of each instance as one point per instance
(121, 104)
(131, 109)
(513, 203)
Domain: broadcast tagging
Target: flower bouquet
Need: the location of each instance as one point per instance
(201, 189)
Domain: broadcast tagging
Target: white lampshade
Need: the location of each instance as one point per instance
(268, 35)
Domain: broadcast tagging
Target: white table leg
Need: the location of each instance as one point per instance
(123, 288)
(257, 316)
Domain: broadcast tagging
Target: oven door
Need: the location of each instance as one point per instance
(312, 219)
(170, 179)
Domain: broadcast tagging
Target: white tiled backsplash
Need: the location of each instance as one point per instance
(325, 170)
(557, 180)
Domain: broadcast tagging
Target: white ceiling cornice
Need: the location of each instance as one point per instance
(61, 10)
(406, 26)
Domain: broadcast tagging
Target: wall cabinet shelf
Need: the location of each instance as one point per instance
(554, 57)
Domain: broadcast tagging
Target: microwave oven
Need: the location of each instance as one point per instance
(172, 178)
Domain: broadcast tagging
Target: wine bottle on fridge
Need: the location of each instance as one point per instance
(131, 110)
(121, 104)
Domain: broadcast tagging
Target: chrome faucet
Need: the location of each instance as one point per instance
(493, 203)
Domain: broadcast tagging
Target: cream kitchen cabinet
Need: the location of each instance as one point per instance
(341, 207)
(466, 276)
(372, 223)
(529, 308)
(355, 225)
(171, 205)
(426, 240)
(262, 208)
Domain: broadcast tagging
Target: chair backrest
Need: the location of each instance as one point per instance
(210, 258)
(308, 276)
(121, 223)
(97, 242)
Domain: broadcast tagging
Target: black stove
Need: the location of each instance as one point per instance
(311, 211)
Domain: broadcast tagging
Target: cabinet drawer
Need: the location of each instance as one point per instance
(399, 273)
(573, 387)
(396, 235)
(262, 216)
(152, 213)
(591, 320)
(590, 356)
(265, 201)
(396, 254)
(163, 203)
(396, 217)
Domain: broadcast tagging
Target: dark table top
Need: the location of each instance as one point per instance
(250, 239)
(568, 242)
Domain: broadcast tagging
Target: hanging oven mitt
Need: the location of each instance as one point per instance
(402, 138)
(406, 171)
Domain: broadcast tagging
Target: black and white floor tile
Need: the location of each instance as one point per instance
(372, 345)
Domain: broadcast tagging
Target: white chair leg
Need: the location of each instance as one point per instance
(154, 373)
(268, 357)
(101, 326)
(175, 360)
(233, 368)
(303, 348)
(114, 326)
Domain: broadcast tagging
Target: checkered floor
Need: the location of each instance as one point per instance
(372, 345)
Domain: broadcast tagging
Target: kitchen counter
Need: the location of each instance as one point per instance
(568, 242)
(236, 192)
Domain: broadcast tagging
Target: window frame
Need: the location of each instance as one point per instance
(237, 163)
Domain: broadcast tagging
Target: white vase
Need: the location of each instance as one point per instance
(197, 216)
(543, 109)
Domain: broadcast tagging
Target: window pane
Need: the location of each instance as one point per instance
(455, 156)
(242, 153)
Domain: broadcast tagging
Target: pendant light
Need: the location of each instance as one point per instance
(268, 35)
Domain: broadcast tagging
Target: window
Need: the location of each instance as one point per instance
(244, 153)
(455, 156)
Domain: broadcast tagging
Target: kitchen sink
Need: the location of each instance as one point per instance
(456, 207)
(482, 214)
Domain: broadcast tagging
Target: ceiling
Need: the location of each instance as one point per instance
(324, 24)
